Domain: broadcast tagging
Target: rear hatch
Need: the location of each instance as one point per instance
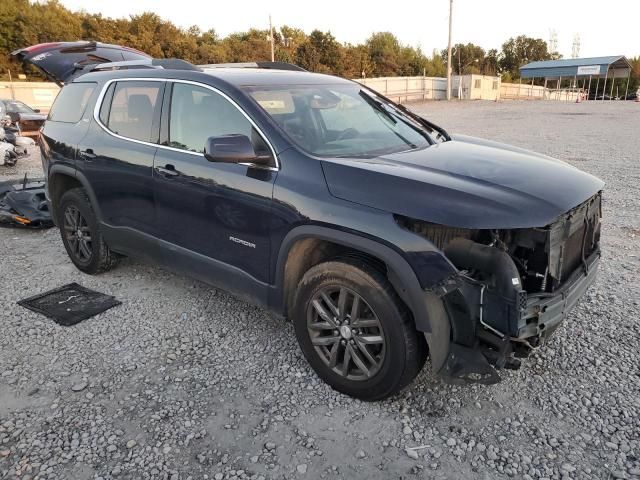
(63, 61)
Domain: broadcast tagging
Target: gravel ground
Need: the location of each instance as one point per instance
(183, 381)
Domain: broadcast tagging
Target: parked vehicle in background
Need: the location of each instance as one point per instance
(631, 96)
(26, 119)
(379, 235)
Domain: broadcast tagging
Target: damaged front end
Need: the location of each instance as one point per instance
(512, 289)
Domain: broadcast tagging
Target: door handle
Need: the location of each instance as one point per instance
(168, 170)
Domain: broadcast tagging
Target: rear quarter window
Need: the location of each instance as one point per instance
(134, 105)
(71, 102)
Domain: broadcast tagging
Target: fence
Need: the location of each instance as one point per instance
(521, 91)
(41, 95)
(38, 95)
(407, 89)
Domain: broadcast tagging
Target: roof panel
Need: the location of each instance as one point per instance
(573, 62)
(570, 66)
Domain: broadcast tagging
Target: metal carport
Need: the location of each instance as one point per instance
(610, 67)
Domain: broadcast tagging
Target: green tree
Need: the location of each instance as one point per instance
(465, 59)
(490, 63)
(27, 22)
(384, 51)
(520, 51)
(357, 62)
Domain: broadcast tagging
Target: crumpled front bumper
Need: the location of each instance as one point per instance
(473, 351)
(544, 313)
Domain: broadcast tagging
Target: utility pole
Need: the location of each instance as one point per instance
(449, 51)
(273, 57)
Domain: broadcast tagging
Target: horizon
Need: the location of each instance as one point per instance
(610, 39)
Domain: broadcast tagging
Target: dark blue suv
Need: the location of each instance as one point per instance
(381, 237)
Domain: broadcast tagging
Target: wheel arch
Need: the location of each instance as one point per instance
(63, 178)
(308, 245)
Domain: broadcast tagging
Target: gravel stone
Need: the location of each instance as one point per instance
(412, 454)
(78, 387)
(179, 360)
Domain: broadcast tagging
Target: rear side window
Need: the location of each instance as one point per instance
(71, 102)
(133, 109)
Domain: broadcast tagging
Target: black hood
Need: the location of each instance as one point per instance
(465, 183)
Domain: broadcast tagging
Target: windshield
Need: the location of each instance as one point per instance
(340, 120)
(17, 107)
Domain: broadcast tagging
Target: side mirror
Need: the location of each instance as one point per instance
(232, 149)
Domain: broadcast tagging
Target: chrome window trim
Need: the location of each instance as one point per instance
(96, 117)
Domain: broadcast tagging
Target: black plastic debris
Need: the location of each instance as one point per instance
(23, 204)
(69, 304)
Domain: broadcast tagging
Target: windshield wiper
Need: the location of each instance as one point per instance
(377, 106)
(422, 121)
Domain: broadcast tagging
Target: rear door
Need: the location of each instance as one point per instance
(68, 122)
(117, 155)
(61, 61)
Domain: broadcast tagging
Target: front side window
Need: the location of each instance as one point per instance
(71, 102)
(133, 108)
(340, 120)
(198, 113)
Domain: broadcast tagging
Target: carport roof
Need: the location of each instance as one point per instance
(569, 67)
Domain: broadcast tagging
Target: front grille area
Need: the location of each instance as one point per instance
(572, 252)
(545, 257)
(573, 238)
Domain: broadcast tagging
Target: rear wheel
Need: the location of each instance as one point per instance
(81, 234)
(355, 331)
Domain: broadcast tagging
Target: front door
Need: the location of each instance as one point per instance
(217, 215)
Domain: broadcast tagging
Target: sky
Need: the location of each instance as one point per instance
(424, 24)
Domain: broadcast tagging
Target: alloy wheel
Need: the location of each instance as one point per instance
(346, 333)
(78, 234)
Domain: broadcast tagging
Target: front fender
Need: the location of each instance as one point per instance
(401, 274)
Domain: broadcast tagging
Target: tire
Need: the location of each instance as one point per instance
(75, 211)
(396, 351)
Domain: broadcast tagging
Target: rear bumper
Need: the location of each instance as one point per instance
(544, 313)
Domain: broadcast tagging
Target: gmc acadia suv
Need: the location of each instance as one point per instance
(378, 234)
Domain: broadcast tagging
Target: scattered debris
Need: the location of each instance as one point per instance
(23, 204)
(69, 304)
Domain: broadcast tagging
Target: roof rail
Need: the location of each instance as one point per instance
(124, 65)
(264, 65)
(153, 63)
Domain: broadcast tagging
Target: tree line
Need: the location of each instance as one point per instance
(23, 23)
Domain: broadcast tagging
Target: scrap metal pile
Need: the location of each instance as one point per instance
(13, 146)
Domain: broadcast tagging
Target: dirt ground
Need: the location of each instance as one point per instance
(183, 381)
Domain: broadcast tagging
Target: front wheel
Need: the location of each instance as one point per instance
(354, 330)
